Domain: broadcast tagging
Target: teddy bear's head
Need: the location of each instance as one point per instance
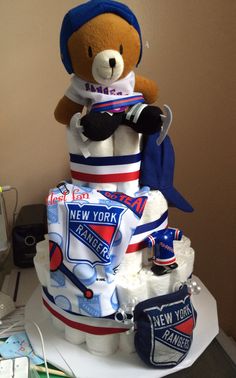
(100, 41)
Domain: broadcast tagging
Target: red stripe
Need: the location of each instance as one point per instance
(136, 247)
(186, 327)
(84, 327)
(107, 178)
(152, 240)
(116, 102)
(176, 234)
(167, 262)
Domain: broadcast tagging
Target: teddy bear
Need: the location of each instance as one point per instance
(101, 45)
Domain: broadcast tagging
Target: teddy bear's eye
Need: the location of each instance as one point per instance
(90, 52)
(121, 49)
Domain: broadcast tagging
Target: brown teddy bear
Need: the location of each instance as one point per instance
(101, 45)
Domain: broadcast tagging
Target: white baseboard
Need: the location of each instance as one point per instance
(228, 344)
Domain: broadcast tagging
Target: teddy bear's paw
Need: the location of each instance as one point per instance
(148, 122)
(100, 126)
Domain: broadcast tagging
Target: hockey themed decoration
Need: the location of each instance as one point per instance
(84, 249)
(103, 65)
(98, 280)
(164, 259)
(164, 328)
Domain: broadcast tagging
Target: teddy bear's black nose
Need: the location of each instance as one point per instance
(112, 62)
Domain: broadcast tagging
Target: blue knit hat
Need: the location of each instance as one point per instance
(81, 14)
(157, 171)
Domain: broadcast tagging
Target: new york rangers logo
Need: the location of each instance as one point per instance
(172, 327)
(95, 226)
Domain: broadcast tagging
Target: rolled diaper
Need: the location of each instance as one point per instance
(161, 285)
(74, 336)
(156, 205)
(127, 342)
(130, 288)
(181, 245)
(131, 264)
(57, 323)
(104, 345)
(185, 259)
(41, 261)
(87, 149)
(158, 285)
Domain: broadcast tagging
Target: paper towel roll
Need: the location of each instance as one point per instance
(127, 342)
(74, 336)
(130, 288)
(104, 345)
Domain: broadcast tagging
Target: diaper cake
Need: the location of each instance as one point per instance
(114, 273)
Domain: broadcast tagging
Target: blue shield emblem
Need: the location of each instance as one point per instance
(165, 328)
(92, 229)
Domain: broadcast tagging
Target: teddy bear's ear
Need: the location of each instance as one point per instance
(81, 14)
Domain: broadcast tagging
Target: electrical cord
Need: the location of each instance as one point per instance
(20, 322)
(16, 205)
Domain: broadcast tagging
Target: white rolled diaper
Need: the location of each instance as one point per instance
(57, 323)
(102, 345)
(156, 205)
(74, 336)
(127, 342)
(41, 261)
(131, 288)
(131, 264)
(161, 285)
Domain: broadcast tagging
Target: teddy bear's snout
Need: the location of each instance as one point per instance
(107, 67)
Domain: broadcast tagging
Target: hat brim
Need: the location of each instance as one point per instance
(176, 199)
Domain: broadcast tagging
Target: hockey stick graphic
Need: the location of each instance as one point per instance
(56, 263)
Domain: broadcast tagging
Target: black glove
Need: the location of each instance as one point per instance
(149, 121)
(100, 126)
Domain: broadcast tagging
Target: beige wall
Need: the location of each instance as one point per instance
(192, 58)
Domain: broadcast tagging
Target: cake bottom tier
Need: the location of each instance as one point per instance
(103, 336)
(75, 359)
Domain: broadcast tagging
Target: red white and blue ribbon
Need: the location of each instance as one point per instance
(121, 103)
(105, 169)
(95, 326)
(137, 241)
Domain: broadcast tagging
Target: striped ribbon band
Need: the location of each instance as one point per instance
(122, 103)
(139, 238)
(105, 169)
(164, 261)
(108, 178)
(95, 326)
